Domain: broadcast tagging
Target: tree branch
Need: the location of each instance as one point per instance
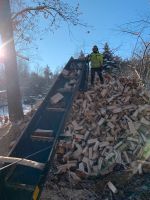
(37, 8)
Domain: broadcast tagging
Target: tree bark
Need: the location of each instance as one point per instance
(10, 62)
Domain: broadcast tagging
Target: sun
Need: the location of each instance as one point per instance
(1, 54)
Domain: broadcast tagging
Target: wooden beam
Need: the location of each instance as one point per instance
(22, 161)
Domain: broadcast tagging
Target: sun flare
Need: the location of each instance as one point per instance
(1, 53)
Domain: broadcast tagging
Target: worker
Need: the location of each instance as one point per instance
(96, 60)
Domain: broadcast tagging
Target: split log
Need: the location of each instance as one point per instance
(56, 98)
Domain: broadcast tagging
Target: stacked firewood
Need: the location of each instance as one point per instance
(109, 125)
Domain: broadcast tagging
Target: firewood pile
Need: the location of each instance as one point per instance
(109, 125)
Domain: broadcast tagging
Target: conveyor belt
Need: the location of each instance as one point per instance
(25, 179)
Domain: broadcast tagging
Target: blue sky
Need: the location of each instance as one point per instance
(104, 17)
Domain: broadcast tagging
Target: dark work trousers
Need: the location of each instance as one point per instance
(99, 72)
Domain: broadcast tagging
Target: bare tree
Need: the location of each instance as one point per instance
(10, 62)
(24, 19)
(140, 61)
(28, 18)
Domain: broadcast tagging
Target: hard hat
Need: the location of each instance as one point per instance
(95, 48)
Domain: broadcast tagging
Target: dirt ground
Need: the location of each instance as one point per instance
(129, 187)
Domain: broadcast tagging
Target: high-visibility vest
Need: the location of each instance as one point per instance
(96, 60)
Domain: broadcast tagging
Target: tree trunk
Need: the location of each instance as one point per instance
(10, 62)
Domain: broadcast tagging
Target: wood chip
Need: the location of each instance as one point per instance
(145, 122)
(90, 153)
(104, 92)
(92, 141)
(112, 187)
(76, 126)
(103, 144)
(75, 177)
(132, 128)
(111, 125)
(102, 120)
(56, 98)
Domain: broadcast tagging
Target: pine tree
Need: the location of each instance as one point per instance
(107, 54)
(109, 59)
(111, 62)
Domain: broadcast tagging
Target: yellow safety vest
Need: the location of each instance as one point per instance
(96, 60)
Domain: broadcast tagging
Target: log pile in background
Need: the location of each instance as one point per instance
(109, 125)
